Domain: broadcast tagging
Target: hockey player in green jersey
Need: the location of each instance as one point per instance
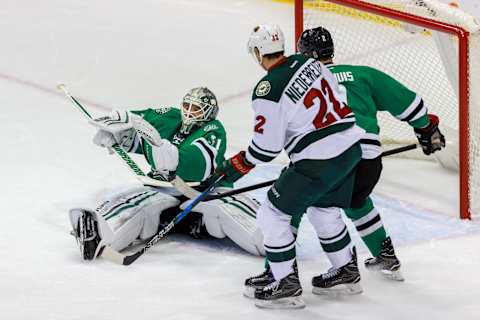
(369, 91)
(189, 142)
(298, 108)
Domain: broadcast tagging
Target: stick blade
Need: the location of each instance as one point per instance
(113, 255)
(110, 254)
(184, 188)
(131, 258)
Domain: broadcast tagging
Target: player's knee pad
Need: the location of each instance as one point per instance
(332, 233)
(233, 217)
(132, 214)
(275, 225)
(327, 222)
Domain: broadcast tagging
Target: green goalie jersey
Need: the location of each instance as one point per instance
(369, 91)
(199, 152)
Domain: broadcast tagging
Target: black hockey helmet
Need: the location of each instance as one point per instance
(316, 43)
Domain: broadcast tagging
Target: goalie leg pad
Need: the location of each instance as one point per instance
(239, 223)
(128, 216)
(233, 217)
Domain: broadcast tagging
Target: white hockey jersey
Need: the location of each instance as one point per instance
(299, 107)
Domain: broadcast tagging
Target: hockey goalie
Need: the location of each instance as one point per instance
(189, 142)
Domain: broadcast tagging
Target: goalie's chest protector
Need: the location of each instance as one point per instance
(299, 107)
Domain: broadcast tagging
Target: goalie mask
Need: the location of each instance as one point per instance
(199, 105)
(265, 39)
(316, 43)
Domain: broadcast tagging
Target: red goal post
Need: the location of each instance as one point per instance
(468, 153)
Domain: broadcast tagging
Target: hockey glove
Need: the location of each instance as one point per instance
(430, 137)
(233, 168)
(114, 128)
(146, 130)
(163, 156)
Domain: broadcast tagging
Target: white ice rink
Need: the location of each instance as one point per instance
(134, 54)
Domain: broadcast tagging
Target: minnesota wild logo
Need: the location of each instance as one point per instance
(263, 88)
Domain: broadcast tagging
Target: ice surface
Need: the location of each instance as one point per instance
(144, 53)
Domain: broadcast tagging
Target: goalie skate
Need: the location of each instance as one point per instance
(86, 234)
(386, 263)
(337, 282)
(283, 294)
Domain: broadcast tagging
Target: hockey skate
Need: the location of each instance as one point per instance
(260, 281)
(86, 234)
(337, 282)
(282, 294)
(386, 262)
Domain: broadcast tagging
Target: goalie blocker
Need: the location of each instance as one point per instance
(138, 213)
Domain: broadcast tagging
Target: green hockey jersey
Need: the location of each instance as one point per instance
(199, 152)
(368, 91)
(299, 108)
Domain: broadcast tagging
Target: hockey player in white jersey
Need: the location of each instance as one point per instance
(298, 108)
(189, 142)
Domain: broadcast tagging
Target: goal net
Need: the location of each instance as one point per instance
(432, 48)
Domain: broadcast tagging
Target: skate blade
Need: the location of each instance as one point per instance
(249, 292)
(282, 303)
(339, 290)
(392, 275)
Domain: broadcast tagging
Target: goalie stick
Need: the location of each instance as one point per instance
(111, 254)
(126, 159)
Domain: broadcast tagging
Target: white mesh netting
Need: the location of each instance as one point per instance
(424, 60)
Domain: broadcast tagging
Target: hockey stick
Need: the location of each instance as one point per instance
(118, 150)
(399, 150)
(115, 256)
(270, 182)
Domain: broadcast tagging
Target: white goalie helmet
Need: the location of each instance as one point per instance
(199, 105)
(267, 39)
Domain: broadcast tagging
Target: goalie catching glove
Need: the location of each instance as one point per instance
(430, 137)
(114, 128)
(126, 129)
(232, 169)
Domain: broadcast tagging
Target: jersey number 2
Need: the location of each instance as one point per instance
(325, 117)
(260, 122)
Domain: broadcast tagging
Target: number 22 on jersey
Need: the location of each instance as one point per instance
(326, 117)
